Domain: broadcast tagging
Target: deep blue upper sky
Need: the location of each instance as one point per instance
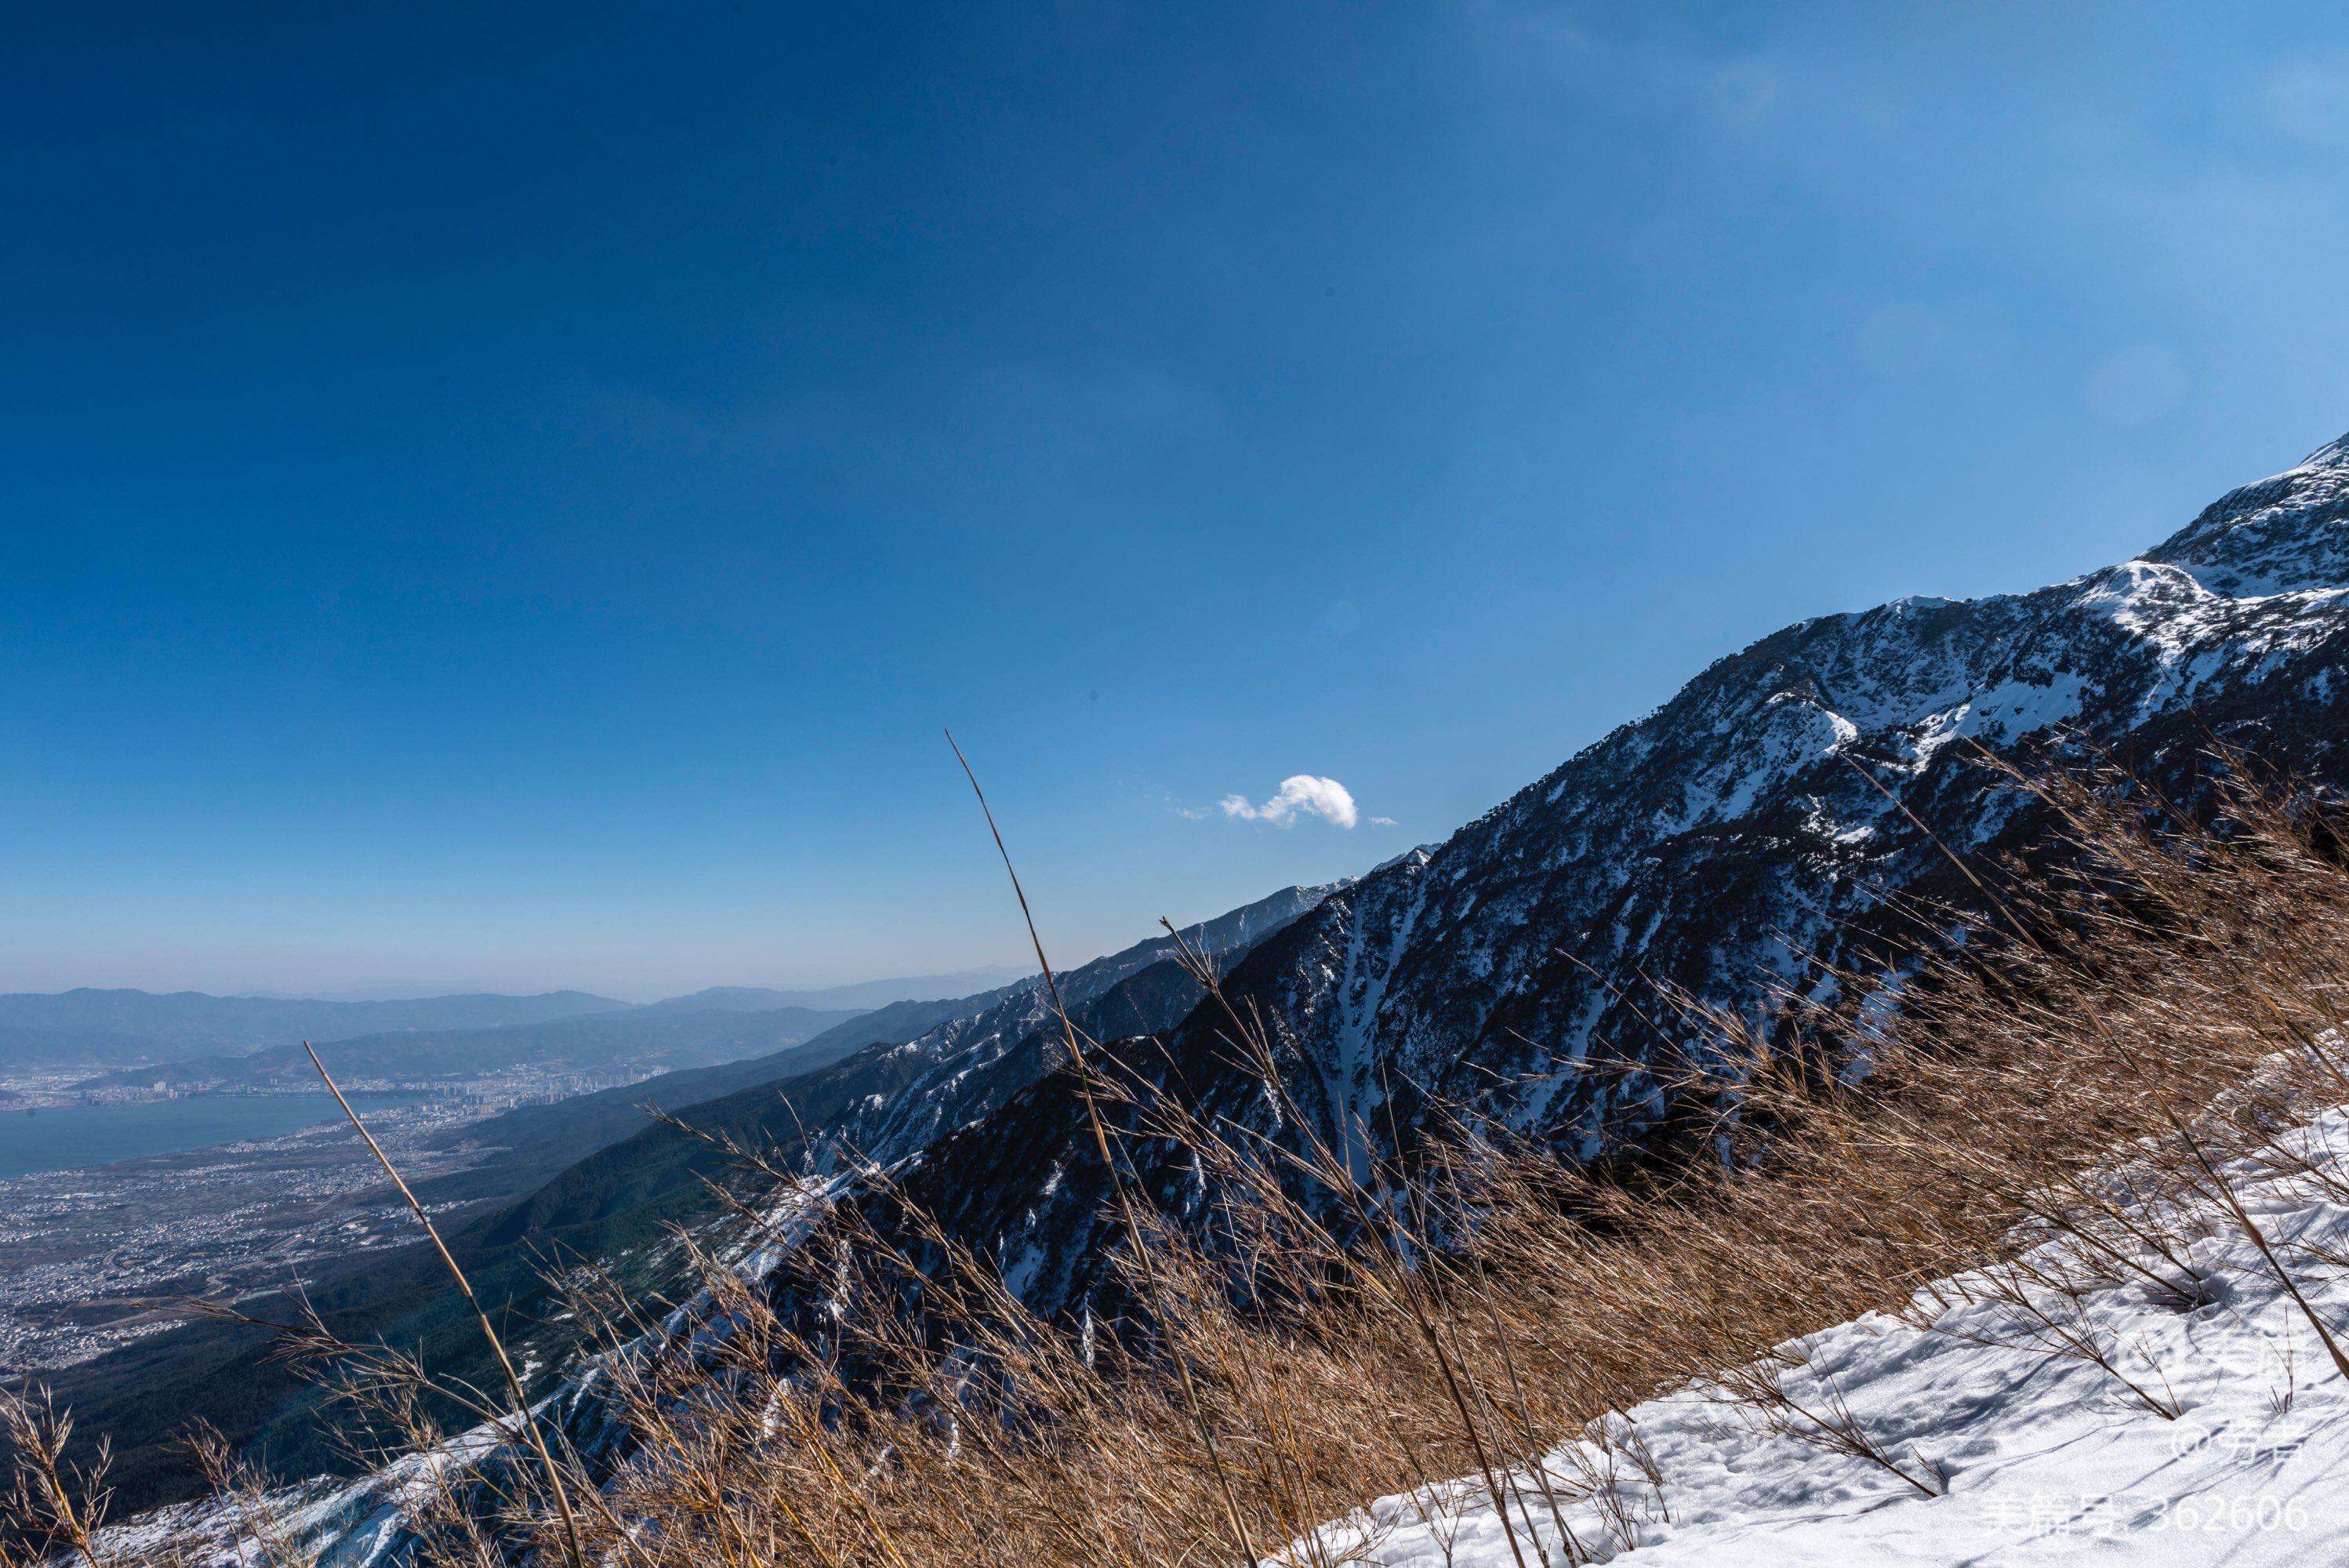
(509, 495)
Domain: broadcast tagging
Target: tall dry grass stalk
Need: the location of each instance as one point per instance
(53, 1504)
(524, 1422)
(1338, 1319)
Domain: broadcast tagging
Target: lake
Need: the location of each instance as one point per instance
(61, 1137)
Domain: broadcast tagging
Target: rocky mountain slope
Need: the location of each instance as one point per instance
(972, 1064)
(884, 1102)
(1759, 829)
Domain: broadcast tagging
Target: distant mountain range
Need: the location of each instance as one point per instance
(637, 1041)
(90, 1028)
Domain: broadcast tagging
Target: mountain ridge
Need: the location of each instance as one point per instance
(1749, 829)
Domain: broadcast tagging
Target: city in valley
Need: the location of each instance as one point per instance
(94, 1257)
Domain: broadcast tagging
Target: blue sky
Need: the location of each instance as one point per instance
(510, 495)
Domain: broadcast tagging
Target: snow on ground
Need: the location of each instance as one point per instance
(2038, 1458)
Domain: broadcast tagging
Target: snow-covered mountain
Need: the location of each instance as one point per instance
(1768, 824)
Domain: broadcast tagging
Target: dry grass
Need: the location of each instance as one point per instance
(2081, 1072)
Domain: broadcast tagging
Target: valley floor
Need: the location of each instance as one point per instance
(95, 1258)
(2038, 1455)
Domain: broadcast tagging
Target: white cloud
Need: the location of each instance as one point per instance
(1384, 823)
(1304, 794)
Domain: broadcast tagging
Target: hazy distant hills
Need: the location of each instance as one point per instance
(634, 1041)
(102, 1028)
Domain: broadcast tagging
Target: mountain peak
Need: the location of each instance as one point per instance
(2285, 534)
(2334, 454)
